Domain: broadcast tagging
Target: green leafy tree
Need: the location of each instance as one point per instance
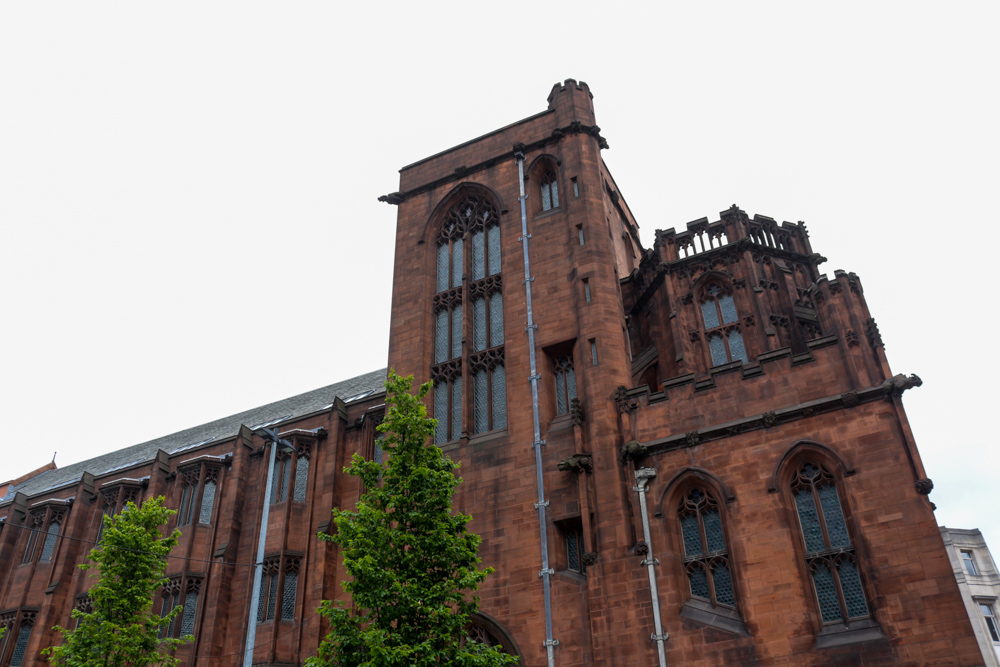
(412, 560)
(122, 631)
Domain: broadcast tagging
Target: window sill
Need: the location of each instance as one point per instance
(721, 618)
(551, 211)
(487, 436)
(841, 634)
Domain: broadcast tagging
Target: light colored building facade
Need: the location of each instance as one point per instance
(979, 582)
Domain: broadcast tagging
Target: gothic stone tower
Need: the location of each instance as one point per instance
(746, 395)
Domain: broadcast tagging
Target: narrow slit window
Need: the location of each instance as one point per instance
(576, 187)
(579, 233)
(593, 351)
(565, 383)
(586, 289)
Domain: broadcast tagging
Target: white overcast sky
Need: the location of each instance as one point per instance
(188, 213)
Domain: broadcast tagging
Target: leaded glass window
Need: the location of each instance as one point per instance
(565, 383)
(706, 559)
(575, 550)
(471, 226)
(21, 646)
(188, 615)
(830, 555)
(207, 502)
(288, 596)
(279, 478)
(550, 191)
(36, 524)
(722, 325)
(50, 541)
(301, 478)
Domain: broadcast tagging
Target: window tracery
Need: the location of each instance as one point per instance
(549, 191)
(830, 554)
(565, 383)
(706, 558)
(722, 325)
(469, 286)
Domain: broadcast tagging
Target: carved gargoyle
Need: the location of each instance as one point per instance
(577, 463)
(632, 449)
(897, 384)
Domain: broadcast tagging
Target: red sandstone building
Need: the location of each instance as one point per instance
(692, 454)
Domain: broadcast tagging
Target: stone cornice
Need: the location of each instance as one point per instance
(462, 172)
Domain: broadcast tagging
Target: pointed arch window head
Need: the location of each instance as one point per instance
(830, 554)
(706, 559)
(722, 325)
(550, 191)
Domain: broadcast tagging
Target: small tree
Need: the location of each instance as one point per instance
(412, 560)
(122, 631)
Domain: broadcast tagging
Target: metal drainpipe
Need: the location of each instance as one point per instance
(642, 475)
(258, 569)
(542, 503)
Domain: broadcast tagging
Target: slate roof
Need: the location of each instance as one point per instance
(289, 408)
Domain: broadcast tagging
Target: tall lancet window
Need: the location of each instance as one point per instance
(706, 559)
(722, 325)
(468, 321)
(830, 555)
(550, 191)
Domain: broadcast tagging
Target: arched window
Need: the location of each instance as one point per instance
(722, 325)
(706, 559)
(469, 237)
(830, 555)
(565, 383)
(484, 630)
(550, 191)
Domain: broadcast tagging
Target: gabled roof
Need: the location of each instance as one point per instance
(220, 429)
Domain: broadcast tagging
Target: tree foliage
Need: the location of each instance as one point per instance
(122, 630)
(412, 561)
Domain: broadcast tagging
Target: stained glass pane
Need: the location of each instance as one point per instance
(288, 596)
(442, 268)
(286, 477)
(850, 583)
(478, 255)
(456, 407)
(572, 552)
(809, 520)
(713, 530)
(301, 479)
(561, 406)
(736, 346)
(499, 398)
(835, 526)
(699, 582)
(207, 502)
(441, 412)
(546, 197)
(555, 194)
(826, 593)
(21, 647)
(181, 520)
(456, 263)
(728, 307)
(480, 401)
(456, 331)
(710, 314)
(692, 536)
(718, 348)
(50, 541)
(190, 607)
(479, 324)
(723, 585)
(496, 320)
(493, 241)
(272, 595)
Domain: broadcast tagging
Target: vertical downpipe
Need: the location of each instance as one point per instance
(542, 503)
(642, 475)
(258, 568)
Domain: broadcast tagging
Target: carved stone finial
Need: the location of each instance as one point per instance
(871, 330)
(620, 398)
(924, 486)
(576, 412)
